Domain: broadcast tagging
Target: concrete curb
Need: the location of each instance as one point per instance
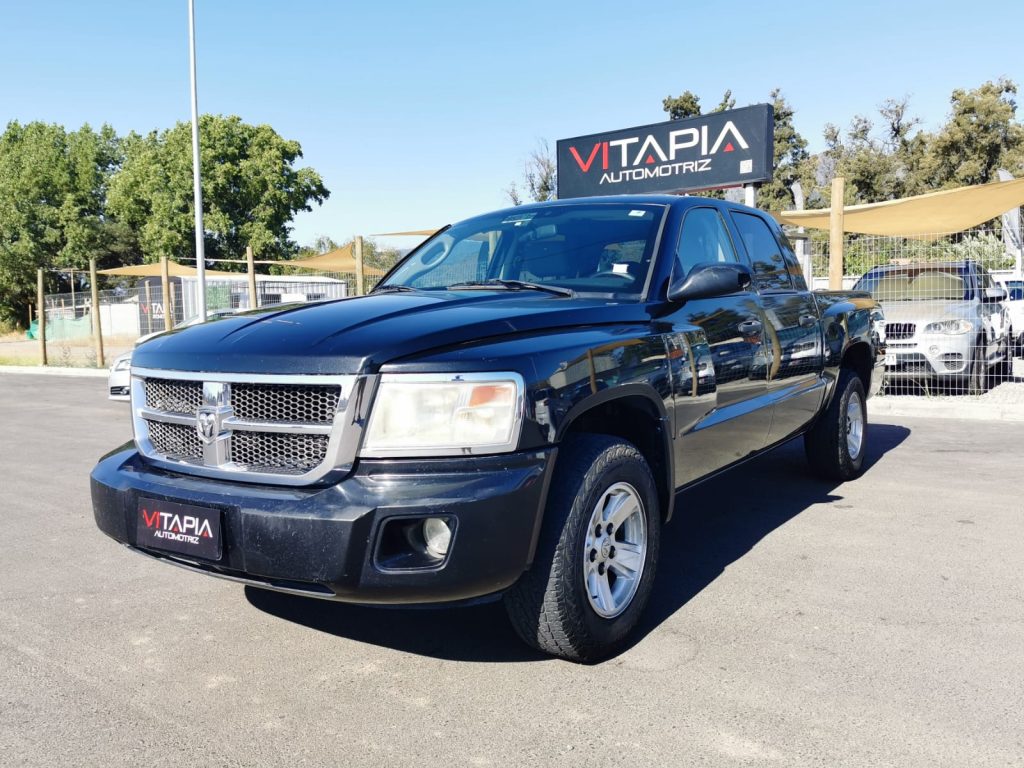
(51, 370)
(944, 408)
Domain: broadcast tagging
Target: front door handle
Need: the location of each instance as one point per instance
(807, 321)
(749, 327)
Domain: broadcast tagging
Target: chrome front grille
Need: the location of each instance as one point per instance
(896, 331)
(275, 429)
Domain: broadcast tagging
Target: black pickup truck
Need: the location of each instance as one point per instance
(510, 413)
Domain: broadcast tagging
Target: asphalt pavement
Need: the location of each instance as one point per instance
(793, 623)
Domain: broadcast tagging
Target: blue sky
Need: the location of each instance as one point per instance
(419, 114)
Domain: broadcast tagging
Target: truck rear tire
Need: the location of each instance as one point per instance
(594, 566)
(835, 445)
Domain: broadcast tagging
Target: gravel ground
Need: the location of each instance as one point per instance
(793, 623)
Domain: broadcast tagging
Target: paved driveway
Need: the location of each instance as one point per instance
(793, 623)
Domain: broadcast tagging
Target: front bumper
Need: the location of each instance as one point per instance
(327, 541)
(929, 356)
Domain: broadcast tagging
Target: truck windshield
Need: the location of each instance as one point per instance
(603, 248)
(920, 283)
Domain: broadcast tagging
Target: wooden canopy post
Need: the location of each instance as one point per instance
(250, 265)
(357, 252)
(97, 327)
(835, 236)
(165, 281)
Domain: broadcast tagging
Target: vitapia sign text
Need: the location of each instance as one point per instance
(722, 149)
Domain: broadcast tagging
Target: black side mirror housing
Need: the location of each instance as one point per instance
(710, 279)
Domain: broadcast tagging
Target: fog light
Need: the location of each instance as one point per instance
(437, 536)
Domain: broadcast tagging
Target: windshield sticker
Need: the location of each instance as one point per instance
(620, 269)
(638, 213)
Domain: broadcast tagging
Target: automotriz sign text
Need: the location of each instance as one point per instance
(722, 149)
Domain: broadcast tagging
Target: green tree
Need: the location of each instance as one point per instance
(53, 187)
(981, 136)
(790, 157)
(251, 189)
(540, 176)
(687, 104)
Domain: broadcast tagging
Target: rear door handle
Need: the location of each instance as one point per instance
(807, 321)
(749, 327)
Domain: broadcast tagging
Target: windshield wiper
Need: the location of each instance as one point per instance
(514, 285)
(394, 289)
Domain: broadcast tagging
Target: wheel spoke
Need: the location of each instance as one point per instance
(628, 559)
(604, 593)
(626, 507)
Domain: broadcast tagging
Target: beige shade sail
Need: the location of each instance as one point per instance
(174, 269)
(951, 210)
(410, 233)
(338, 260)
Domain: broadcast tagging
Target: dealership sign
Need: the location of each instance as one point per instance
(722, 149)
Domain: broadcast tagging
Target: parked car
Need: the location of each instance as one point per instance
(119, 376)
(944, 321)
(1014, 304)
(508, 415)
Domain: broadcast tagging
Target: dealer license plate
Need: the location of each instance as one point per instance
(175, 527)
(890, 360)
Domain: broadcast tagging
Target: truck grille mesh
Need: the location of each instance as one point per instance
(174, 396)
(285, 403)
(176, 441)
(278, 453)
(267, 430)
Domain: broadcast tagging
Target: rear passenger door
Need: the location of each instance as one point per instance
(730, 366)
(793, 333)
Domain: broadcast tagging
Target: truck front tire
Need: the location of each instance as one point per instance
(594, 566)
(835, 445)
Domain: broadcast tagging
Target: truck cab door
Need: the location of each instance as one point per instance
(794, 344)
(720, 383)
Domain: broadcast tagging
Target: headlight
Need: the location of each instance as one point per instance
(122, 364)
(950, 327)
(445, 414)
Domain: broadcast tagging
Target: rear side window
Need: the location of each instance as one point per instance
(770, 269)
(704, 238)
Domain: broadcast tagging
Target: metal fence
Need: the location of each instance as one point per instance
(952, 305)
(132, 309)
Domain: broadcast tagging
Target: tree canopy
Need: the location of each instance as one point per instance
(69, 196)
(251, 189)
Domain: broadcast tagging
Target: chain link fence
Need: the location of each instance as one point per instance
(954, 314)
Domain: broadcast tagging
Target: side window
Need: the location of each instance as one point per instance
(769, 265)
(796, 272)
(703, 238)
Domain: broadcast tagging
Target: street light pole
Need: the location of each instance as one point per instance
(196, 182)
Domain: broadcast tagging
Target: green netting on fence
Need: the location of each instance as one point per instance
(63, 329)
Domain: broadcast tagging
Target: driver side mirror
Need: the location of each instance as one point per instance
(710, 279)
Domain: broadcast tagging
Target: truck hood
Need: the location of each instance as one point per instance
(358, 335)
(929, 311)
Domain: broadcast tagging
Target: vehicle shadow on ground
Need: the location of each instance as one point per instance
(715, 524)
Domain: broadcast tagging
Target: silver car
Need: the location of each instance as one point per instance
(120, 375)
(944, 321)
